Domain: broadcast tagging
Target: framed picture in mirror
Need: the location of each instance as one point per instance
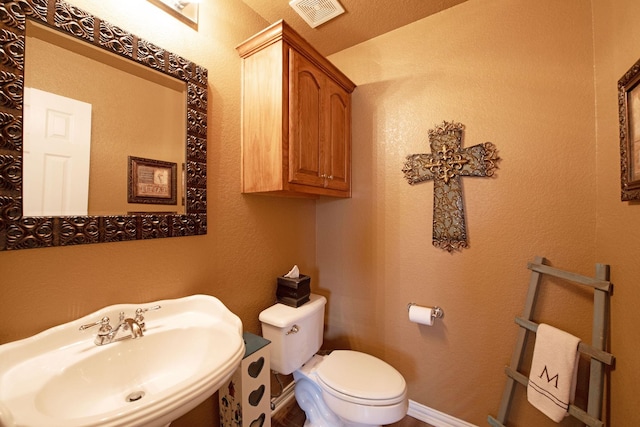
(152, 181)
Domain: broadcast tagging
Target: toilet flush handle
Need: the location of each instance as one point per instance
(294, 330)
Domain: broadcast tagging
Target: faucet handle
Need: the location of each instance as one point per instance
(139, 315)
(139, 311)
(105, 327)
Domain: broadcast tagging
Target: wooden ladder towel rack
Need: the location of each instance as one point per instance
(600, 358)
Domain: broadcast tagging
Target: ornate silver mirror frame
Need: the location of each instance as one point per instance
(628, 97)
(20, 232)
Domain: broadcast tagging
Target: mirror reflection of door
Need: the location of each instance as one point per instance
(57, 147)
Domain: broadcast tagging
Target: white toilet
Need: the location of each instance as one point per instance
(345, 388)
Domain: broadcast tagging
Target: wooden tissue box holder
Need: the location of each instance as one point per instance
(293, 291)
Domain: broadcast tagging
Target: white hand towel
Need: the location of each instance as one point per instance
(552, 380)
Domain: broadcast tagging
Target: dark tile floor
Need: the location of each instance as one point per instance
(293, 416)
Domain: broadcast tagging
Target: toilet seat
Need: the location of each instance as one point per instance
(361, 378)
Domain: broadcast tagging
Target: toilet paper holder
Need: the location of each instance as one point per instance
(437, 312)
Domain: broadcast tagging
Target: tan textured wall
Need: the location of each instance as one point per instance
(617, 41)
(518, 74)
(250, 239)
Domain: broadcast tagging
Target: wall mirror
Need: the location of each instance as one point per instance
(168, 122)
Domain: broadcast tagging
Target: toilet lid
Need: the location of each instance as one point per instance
(361, 377)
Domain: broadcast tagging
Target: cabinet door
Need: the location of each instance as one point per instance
(336, 150)
(305, 123)
(319, 128)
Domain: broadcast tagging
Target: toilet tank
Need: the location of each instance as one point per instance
(295, 333)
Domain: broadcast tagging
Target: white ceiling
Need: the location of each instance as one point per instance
(362, 20)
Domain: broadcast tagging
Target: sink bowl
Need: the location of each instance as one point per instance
(60, 377)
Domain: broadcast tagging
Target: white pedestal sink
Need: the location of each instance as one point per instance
(61, 378)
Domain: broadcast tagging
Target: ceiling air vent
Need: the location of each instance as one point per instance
(316, 12)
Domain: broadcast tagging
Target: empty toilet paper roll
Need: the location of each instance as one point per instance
(422, 315)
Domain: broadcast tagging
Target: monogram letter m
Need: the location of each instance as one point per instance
(545, 372)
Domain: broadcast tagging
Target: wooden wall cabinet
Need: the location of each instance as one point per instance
(296, 118)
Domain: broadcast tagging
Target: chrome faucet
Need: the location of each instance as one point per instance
(107, 334)
(134, 327)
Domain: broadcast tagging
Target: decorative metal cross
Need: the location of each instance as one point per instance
(445, 165)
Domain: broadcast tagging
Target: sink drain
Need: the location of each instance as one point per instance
(135, 396)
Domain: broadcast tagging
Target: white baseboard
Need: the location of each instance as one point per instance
(433, 417)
